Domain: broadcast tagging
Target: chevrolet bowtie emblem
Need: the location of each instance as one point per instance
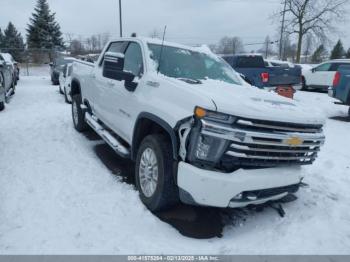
(294, 141)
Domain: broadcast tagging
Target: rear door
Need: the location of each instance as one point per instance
(320, 76)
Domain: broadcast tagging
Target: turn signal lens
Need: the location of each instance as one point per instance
(336, 79)
(200, 112)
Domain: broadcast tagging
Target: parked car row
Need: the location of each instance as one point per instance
(57, 66)
(196, 130)
(9, 76)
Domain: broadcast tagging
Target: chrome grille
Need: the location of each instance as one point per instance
(268, 144)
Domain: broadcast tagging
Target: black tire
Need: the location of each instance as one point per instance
(60, 89)
(2, 84)
(166, 193)
(78, 115)
(66, 96)
(303, 84)
(349, 112)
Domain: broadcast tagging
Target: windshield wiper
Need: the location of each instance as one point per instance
(190, 81)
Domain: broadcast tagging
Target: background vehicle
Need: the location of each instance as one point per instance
(264, 75)
(12, 64)
(340, 88)
(7, 86)
(57, 67)
(195, 130)
(321, 77)
(65, 82)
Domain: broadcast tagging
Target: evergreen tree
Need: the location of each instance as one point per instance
(319, 55)
(348, 53)
(13, 42)
(338, 51)
(1, 39)
(43, 31)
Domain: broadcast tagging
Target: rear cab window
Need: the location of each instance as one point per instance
(250, 62)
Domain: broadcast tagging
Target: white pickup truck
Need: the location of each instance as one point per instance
(195, 130)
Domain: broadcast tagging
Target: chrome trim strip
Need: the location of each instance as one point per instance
(242, 155)
(252, 149)
(246, 136)
(282, 128)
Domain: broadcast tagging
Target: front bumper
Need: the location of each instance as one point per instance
(216, 189)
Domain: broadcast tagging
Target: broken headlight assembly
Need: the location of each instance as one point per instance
(206, 148)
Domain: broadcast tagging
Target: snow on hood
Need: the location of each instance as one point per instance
(251, 102)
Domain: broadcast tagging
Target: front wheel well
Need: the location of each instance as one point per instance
(75, 88)
(147, 125)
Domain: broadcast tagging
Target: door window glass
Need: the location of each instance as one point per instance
(133, 59)
(323, 67)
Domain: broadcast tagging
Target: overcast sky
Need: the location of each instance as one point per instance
(188, 21)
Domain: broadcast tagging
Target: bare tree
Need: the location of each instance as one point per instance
(315, 17)
(267, 48)
(308, 47)
(155, 34)
(77, 47)
(230, 45)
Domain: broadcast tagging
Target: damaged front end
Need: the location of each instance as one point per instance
(227, 143)
(230, 161)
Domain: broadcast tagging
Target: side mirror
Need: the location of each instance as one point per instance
(313, 70)
(113, 68)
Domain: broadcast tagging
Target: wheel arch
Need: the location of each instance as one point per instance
(75, 87)
(147, 124)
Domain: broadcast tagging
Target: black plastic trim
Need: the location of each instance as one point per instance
(160, 122)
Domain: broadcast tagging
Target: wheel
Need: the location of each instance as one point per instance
(303, 84)
(60, 89)
(66, 96)
(78, 115)
(349, 112)
(154, 173)
(2, 106)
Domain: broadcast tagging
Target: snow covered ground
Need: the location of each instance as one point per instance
(64, 193)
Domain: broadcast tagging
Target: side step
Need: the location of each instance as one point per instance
(106, 136)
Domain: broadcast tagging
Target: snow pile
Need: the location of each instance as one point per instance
(57, 197)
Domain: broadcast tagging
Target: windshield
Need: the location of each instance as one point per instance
(186, 64)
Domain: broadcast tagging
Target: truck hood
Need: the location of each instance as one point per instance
(251, 102)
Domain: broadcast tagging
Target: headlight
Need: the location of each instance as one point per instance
(213, 116)
(208, 148)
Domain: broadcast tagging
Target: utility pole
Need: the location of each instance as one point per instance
(282, 28)
(233, 46)
(120, 19)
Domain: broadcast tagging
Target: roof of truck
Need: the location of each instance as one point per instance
(340, 60)
(148, 40)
